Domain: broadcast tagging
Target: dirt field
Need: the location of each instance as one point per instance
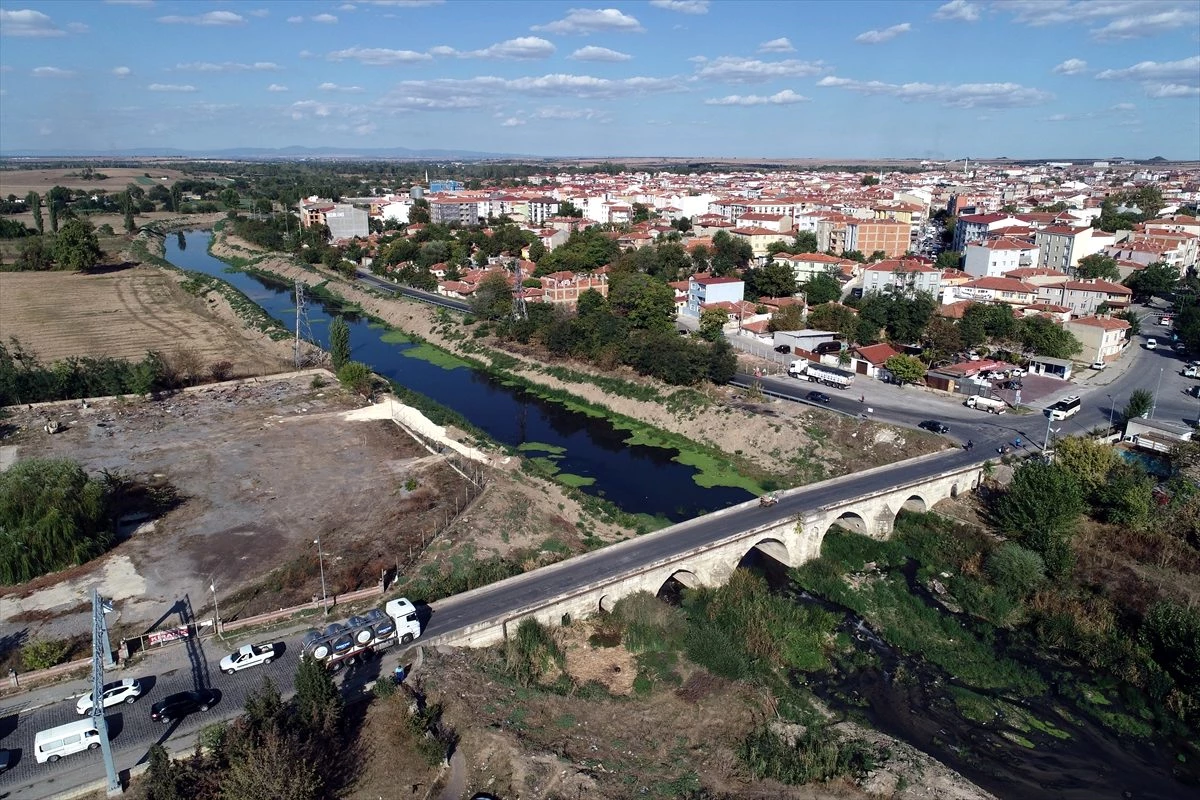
(121, 314)
(23, 181)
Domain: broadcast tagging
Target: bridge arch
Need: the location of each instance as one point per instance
(851, 521)
(606, 603)
(916, 503)
(774, 548)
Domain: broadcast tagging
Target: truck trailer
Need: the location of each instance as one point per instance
(344, 643)
(819, 373)
(988, 404)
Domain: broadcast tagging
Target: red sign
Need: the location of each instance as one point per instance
(169, 635)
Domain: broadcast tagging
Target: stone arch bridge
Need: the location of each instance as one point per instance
(552, 596)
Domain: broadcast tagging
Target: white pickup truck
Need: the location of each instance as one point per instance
(248, 655)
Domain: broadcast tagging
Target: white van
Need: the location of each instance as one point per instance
(54, 743)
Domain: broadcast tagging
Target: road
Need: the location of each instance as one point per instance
(134, 732)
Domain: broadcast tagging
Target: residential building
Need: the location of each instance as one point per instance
(994, 290)
(1084, 297)
(991, 258)
(445, 210)
(541, 209)
(892, 238)
(902, 276)
(564, 288)
(758, 238)
(1061, 246)
(1038, 276)
(972, 228)
(870, 360)
(1103, 338)
(779, 223)
(706, 290)
(343, 220)
(806, 265)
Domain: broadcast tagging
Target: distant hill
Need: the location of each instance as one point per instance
(262, 153)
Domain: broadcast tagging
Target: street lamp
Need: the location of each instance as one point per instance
(1111, 408)
(321, 560)
(1049, 430)
(1157, 386)
(212, 587)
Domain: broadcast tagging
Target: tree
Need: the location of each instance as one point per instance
(905, 368)
(1156, 279)
(1042, 336)
(35, 255)
(339, 342)
(52, 515)
(127, 210)
(788, 318)
(76, 246)
(805, 242)
(568, 209)
(419, 213)
(771, 280)
(712, 323)
(1089, 461)
(492, 298)
(537, 251)
(1172, 632)
(877, 255)
(34, 201)
(318, 702)
(277, 768)
(161, 776)
(854, 255)
(641, 212)
(176, 197)
(1133, 318)
(821, 288)
(869, 180)
(1100, 266)
(1041, 507)
(1017, 571)
(729, 254)
(230, 199)
(722, 362)
(833, 317)
(1139, 405)
(948, 259)
(1127, 497)
(645, 303)
(941, 339)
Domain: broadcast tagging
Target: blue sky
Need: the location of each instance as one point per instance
(977, 78)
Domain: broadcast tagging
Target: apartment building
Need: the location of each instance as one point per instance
(445, 210)
(1103, 338)
(1084, 297)
(564, 288)
(991, 258)
(705, 289)
(343, 220)
(902, 277)
(870, 236)
(994, 290)
(1061, 246)
(806, 265)
(972, 228)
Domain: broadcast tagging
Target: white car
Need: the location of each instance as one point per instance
(248, 655)
(1151, 344)
(126, 691)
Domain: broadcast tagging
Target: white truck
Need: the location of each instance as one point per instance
(819, 373)
(988, 404)
(343, 643)
(1191, 371)
(248, 655)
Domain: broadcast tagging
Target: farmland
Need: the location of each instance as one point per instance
(122, 313)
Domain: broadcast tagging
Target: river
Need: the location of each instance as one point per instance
(638, 479)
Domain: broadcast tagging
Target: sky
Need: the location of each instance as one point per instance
(726, 78)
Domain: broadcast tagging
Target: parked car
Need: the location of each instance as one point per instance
(933, 426)
(783, 348)
(817, 397)
(126, 691)
(179, 705)
(1099, 365)
(1151, 344)
(5, 760)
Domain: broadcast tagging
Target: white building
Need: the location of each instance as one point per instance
(705, 289)
(898, 276)
(991, 258)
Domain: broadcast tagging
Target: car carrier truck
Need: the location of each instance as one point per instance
(819, 373)
(343, 643)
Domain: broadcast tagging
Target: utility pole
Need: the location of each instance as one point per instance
(1157, 386)
(299, 311)
(1049, 430)
(212, 585)
(321, 559)
(101, 658)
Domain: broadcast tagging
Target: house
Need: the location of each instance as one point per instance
(806, 265)
(758, 238)
(991, 258)
(706, 290)
(902, 276)
(870, 360)
(1061, 246)
(972, 228)
(1084, 297)
(1037, 276)
(1056, 314)
(681, 295)
(994, 290)
(780, 223)
(890, 237)
(1103, 338)
(1156, 435)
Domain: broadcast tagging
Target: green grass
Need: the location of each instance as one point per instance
(574, 481)
(391, 335)
(436, 356)
(541, 447)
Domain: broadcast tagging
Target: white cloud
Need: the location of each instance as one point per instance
(885, 35)
(212, 18)
(295, 20)
(122, 72)
(51, 72)
(520, 49)
(1072, 66)
(229, 66)
(512, 122)
(1124, 107)
(325, 19)
(77, 27)
(1138, 26)
(963, 95)
(366, 128)
(554, 112)
(592, 20)
(170, 87)
(27, 22)
(1162, 90)
(784, 98)
(748, 70)
(404, 3)
(275, 87)
(1126, 19)
(378, 56)
(780, 45)
(347, 7)
(259, 12)
(682, 6)
(959, 10)
(592, 53)
(487, 90)
(333, 87)
(1185, 71)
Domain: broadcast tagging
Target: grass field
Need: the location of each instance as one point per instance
(121, 314)
(22, 181)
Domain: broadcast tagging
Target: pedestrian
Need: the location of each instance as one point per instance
(862, 398)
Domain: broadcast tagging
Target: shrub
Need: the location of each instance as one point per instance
(1017, 571)
(357, 377)
(42, 654)
(530, 652)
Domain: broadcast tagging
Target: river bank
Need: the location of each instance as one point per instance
(797, 442)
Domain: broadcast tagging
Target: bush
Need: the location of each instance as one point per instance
(357, 377)
(818, 754)
(1017, 571)
(42, 654)
(530, 652)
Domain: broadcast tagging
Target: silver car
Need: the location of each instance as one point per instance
(126, 691)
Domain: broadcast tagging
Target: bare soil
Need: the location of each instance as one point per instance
(540, 744)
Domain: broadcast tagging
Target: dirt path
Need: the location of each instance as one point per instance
(776, 436)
